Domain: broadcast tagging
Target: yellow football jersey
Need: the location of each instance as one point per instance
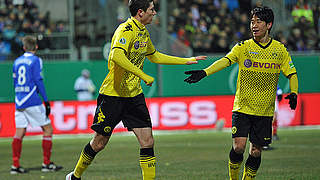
(259, 70)
(134, 39)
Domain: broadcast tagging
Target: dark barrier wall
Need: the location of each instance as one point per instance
(59, 78)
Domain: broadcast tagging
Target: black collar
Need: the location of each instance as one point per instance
(136, 23)
(263, 47)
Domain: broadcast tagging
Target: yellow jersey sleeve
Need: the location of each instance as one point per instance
(234, 54)
(123, 37)
(287, 66)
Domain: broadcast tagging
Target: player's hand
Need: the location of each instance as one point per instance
(197, 59)
(48, 108)
(196, 75)
(148, 80)
(292, 100)
(279, 97)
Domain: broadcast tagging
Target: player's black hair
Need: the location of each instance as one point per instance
(135, 5)
(264, 13)
(29, 43)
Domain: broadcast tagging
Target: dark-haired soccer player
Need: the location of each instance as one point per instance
(260, 59)
(28, 84)
(120, 96)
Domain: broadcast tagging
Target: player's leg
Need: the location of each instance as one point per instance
(137, 118)
(87, 155)
(275, 126)
(147, 158)
(47, 164)
(240, 129)
(107, 116)
(253, 162)
(16, 151)
(21, 124)
(260, 135)
(236, 156)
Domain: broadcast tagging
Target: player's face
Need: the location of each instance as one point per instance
(148, 14)
(259, 28)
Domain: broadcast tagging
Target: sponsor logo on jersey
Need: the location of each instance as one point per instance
(251, 52)
(266, 139)
(122, 41)
(128, 28)
(136, 44)
(248, 63)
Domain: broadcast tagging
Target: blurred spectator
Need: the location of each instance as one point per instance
(84, 86)
(302, 9)
(20, 17)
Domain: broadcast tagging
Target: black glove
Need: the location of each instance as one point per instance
(279, 97)
(196, 75)
(292, 100)
(48, 108)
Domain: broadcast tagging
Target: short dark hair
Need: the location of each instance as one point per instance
(135, 5)
(264, 13)
(29, 43)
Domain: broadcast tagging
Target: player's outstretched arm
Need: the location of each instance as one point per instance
(118, 56)
(161, 58)
(197, 59)
(197, 75)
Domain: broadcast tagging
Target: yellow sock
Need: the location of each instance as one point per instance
(234, 170)
(249, 173)
(148, 167)
(86, 157)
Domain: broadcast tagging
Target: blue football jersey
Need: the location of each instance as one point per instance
(28, 82)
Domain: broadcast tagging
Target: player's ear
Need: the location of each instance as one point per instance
(269, 25)
(140, 12)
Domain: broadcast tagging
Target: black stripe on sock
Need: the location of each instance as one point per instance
(146, 151)
(253, 162)
(89, 151)
(235, 157)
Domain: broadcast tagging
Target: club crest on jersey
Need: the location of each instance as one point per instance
(247, 63)
(122, 41)
(136, 45)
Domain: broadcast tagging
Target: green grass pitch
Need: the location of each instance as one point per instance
(190, 155)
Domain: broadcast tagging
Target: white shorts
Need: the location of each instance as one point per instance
(34, 115)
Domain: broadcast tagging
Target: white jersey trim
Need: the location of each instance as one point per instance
(24, 99)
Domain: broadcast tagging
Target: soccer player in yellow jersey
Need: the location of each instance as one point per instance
(120, 95)
(260, 59)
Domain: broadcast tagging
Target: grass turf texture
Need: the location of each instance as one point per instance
(194, 155)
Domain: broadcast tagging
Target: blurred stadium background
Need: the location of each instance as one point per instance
(76, 34)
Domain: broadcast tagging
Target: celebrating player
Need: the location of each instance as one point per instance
(29, 108)
(120, 96)
(260, 61)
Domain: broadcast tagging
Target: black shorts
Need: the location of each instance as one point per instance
(259, 128)
(132, 111)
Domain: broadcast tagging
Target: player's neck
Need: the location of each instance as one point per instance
(33, 52)
(263, 39)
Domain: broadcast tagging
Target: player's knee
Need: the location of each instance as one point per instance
(99, 142)
(148, 143)
(98, 146)
(239, 149)
(47, 130)
(255, 152)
